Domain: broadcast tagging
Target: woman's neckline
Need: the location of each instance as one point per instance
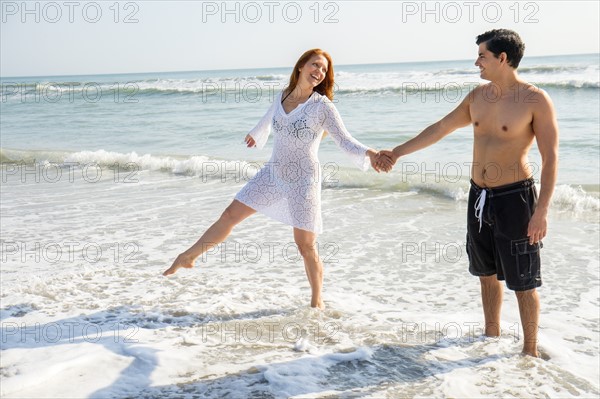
(300, 105)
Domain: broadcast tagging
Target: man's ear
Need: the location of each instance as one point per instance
(503, 57)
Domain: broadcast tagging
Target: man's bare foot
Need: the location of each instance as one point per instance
(492, 330)
(181, 261)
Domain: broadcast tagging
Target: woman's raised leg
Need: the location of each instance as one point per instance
(216, 234)
(307, 245)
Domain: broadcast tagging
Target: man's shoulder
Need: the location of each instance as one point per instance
(534, 95)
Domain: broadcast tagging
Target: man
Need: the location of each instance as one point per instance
(506, 221)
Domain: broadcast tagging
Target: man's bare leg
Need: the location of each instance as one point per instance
(491, 298)
(307, 245)
(529, 309)
(217, 233)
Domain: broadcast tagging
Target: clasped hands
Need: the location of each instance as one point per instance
(382, 160)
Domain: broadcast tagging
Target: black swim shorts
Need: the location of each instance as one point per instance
(497, 242)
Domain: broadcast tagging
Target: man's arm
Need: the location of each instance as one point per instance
(545, 129)
(459, 117)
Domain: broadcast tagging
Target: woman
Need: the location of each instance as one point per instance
(288, 187)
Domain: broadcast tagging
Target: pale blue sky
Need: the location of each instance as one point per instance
(195, 35)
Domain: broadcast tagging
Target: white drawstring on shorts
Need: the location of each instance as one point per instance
(479, 204)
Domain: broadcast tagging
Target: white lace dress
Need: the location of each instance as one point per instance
(288, 187)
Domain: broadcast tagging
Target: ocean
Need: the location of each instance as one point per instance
(106, 178)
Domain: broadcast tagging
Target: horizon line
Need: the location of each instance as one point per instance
(278, 67)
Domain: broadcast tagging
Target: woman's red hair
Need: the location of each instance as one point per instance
(324, 88)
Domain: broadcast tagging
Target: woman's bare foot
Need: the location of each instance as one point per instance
(531, 353)
(320, 305)
(181, 261)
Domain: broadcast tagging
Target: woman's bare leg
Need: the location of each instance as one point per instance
(307, 244)
(216, 234)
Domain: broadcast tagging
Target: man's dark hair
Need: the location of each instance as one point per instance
(504, 41)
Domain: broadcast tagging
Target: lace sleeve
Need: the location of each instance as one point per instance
(332, 122)
(261, 131)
